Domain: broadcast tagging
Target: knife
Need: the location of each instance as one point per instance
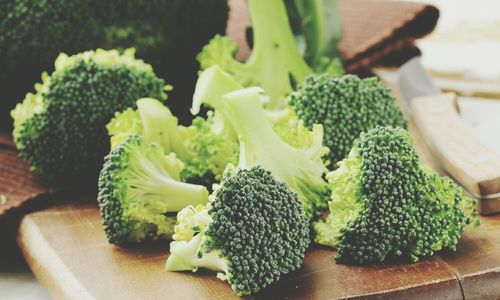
(452, 144)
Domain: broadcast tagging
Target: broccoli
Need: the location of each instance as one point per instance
(275, 63)
(345, 106)
(252, 232)
(33, 33)
(300, 168)
(318, 28)
(204, 152)
(60, 130)
(385, 205)
(138, 187)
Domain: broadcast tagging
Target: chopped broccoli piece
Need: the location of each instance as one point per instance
(204, 152)
(385, 205)
(212, 152)
(60, 130)
(345, 106)
(292, 130)
(138, 187)
(124, 124)
(252, 231)
(275, 63)
(301, 168)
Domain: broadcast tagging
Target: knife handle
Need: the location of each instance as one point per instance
(455, 147)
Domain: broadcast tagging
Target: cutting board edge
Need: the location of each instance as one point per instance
(39, 264)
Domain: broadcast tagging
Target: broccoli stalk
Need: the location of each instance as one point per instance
(385, 205)
(252, 231)
(138, 187)
(300, 168)
(160, 126)
(275, 63)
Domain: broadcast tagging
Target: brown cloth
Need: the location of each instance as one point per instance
(381, 32)
(18, 186)
(376, 32)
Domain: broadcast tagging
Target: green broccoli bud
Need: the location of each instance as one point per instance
(204, 152)
(292, 130)
(124, 124)
(252, 232)
(138, 187)
(345, 106)
(212, 152)
(60, 130)
(275, 63)
(385, 205)
(300, 168)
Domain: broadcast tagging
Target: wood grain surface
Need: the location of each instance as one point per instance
(68, 252)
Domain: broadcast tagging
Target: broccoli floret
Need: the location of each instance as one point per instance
(292, 130)
(252, 232)
(204, 152)
(60, 130)
(138, 187)
(212, 152)
(301, 168)
(33, 33)
(275, 64)
(385, 205)
(345, 106)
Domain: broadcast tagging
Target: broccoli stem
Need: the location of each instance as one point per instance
(161, 127)
(152, 182)
(184, 257)
(251, 124)
(274, 49)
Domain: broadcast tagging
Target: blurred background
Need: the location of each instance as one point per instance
(462, 53)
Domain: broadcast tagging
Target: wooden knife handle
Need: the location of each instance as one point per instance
(454, 146)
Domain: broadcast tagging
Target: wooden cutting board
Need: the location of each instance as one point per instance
(67, 250)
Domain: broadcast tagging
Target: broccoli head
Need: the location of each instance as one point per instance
(204, 152)
(252, 232)
(386, 205)
(275, 64)
(139, 188)
(301, 168)
(345, 106)
(60, 130)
